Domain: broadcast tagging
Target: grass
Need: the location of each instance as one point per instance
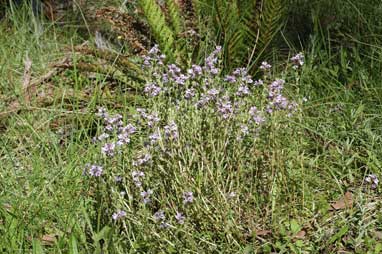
(285, 182)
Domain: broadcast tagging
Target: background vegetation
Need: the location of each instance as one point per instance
(301, 187)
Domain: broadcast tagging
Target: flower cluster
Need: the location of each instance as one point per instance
(372, 180)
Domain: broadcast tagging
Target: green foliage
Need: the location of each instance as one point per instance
(162, 32)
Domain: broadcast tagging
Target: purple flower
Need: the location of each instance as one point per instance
(119, 215)
(230, 79)
(159, 215)
(213, 93)
(181, 79)
(137, 177)
(154, 138)
(258, 82)
(123, 139)
(180, 217)
(146, 196)
(128, 129)
(108, 149)
(189, 93)
(255, 114)
(188, 197)
(265, 66)
(242, 90)
(171, 130)
(164, 224)
(372, 180)
(152, 119)
(225, 107)
(204, 100)
(298, 60)
(103, 136)
(152, 90)
(142, 160)
(102, 112)
(118, 179)
(194, 71)
(95, 170)
(244, 129)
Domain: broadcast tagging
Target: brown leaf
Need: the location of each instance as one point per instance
(48, 239)
(344, 202)
(378, 235)
(27, 78)
(300, 235)
(263, 232)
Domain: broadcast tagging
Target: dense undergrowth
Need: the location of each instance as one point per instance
(190, 159)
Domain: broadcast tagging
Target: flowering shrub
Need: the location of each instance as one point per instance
(189, 161)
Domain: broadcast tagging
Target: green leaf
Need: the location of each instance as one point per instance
(73, 249)
(339, 234)
(294, 226)
(37, 247)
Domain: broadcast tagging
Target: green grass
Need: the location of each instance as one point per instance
(284, 182)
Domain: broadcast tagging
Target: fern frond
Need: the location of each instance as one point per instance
(156, 19)
(175, 16)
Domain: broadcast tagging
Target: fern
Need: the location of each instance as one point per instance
(156, 19)
(175, 16)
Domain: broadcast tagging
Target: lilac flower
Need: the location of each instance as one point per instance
(128, 129)
(180, 218)
(159, 215)
(194, 71)
(298, 60)
(103, 136)
(204, 100)
(109, 128)
(265, 66)
(152, 119)
(225, 107)
(123, 139)
(102, 112)
(95, 170)
(118, 179)
(146, 196)
(154, 50)
(213, 93)
(188, 197)
(119, 215)
(244, 129)
(240, 72)
(189, 93)
(373, 180)
(108, 149)
(164, 224)
(165, 78)
(152, 90)
(211, 61)
(230, 79)
(242, 90)
(173, 70)
(114, 120)
(258, 82)
(255, 114)
(171, 130)
(142, 160)
(137, 177)
(154, 138)
(181, 79)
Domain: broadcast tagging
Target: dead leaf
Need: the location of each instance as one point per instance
(300, 235)
(48, 239)
(27, 78)
(345, 202)
(263, 232)
(378, 235)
